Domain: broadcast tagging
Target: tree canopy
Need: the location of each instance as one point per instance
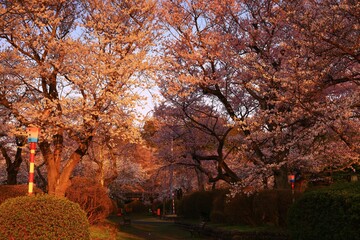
(252, 89)
(284, 75)
(71, 68)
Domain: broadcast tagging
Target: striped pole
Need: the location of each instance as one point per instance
(291, 179)
(32, 167)
(173, 204)
(33, 134)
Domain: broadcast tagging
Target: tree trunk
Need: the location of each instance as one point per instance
(11, 177)
(281, 178)
(14, 167)
(61, 187)
(40, 180)
(53, 177)
(59, 179)
(63, 181)
(200, 180)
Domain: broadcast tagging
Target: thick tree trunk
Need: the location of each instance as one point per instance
(63, 179)
(53, 177)
(200, 180)
(59, 179)
(11, 178)
(61, 187)
(40, 180)
(13, 167)
(281, 178)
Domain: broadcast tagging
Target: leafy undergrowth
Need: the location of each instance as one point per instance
(103, 230)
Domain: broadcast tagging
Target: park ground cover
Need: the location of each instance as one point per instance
(149, 227)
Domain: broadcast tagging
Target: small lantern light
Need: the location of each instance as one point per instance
(291, 179)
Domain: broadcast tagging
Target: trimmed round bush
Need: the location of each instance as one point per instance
(42, 217)
(92, 198)
(331, 213)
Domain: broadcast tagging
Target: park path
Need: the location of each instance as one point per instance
(152, 228)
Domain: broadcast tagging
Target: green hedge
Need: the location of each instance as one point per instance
(266, 207)
(329, 213)
(239, 210)
(199, 205)
(42, 217)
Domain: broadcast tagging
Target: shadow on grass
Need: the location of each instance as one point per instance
(141, 228)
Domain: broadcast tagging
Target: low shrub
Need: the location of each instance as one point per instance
(285, 200)
(204, 202)
(11, 191)
(239, 210)
(188, 206)
(218, 217)
(42, 217)
(92, 198)
(136, 206)
(328, 213)
(219, 201)
(217, 213)
(266, 207)
(200, 205)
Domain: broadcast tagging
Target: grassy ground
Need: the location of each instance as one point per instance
(141, 228)
(244, 228)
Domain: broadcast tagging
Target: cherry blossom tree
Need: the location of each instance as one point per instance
(76, 65)
(118, 162)
(279, 77)
(193, 142)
